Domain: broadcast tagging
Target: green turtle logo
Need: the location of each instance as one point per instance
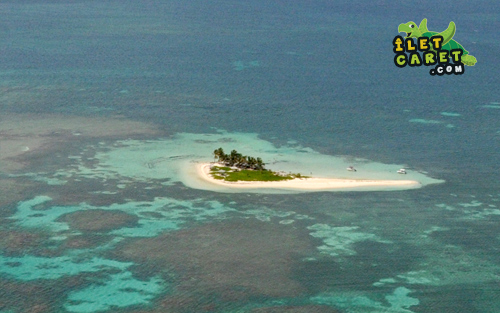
(447, 43)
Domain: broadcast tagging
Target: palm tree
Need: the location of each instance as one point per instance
(238, 160)
(235, 158)
(243, 161)
(251, 162)
(260, 164)
(232, 157)
(219, 154)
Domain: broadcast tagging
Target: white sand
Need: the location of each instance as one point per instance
(311, 184)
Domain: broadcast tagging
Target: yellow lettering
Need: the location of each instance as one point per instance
(409, 45)
(437, 40)
(422, 43)
(398, 44)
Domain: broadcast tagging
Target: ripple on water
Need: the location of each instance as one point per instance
(451, 114)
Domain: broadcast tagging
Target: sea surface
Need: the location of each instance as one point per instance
(103, 103)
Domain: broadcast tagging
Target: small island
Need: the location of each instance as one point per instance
(234, 171)
(237, 167)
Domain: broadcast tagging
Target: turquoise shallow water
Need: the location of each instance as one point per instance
(102, 219)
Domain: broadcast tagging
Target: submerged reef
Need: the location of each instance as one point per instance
(17, 242)
(296, 309)
(46, 135)
(230, 260)
(99, 220)
(39, 296)
(85, 241)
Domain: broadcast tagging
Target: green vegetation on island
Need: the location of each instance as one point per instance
(238, 167)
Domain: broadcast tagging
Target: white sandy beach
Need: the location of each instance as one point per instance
(310, 184)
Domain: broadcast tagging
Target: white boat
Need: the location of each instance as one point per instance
(351, 169)
(402, 171)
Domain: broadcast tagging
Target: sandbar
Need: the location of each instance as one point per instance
(310, 184)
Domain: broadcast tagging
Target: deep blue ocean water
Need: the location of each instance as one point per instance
(316, 74)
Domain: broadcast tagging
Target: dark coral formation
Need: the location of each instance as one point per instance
(85, 241)
(98, 220)
(16, 242)
(13, 191)
(41, 296)
(297, 309)
(230, 261)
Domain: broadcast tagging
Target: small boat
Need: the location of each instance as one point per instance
(351, 169)
(402, 171)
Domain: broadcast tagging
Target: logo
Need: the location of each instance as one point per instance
(436, 48)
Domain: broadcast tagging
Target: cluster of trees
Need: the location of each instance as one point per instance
(238, 160)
